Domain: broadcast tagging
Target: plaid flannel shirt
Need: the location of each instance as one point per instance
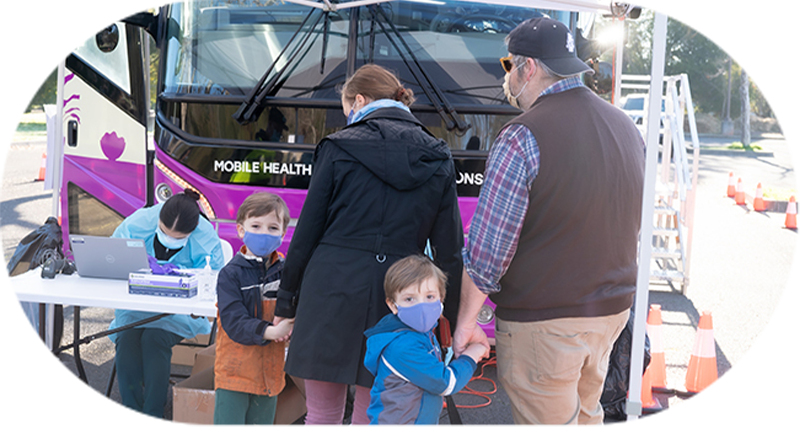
(512, 166)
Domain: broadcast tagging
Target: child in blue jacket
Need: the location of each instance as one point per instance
(403, 353)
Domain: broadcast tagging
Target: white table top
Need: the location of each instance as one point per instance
(108, 293)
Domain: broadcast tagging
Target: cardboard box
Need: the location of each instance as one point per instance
(183, 354)
(204, 359)
(193, 399)
(178, 286)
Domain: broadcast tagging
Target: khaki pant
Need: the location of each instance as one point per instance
(554, 370)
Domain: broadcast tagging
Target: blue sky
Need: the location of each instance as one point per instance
(775, 24)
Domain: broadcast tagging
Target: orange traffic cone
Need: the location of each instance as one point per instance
(758, 202)
(731, 186)
(703, 364)
(739, 197)
(657, 366)
(21, 419)
(649, 404)
(791, 214)
(42, 168)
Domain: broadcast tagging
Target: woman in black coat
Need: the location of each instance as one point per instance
(382, 188)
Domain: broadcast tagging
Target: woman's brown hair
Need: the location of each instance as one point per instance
(376, 82)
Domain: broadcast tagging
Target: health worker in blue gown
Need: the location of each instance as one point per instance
(175, 233)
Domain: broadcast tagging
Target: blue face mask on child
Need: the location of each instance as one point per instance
(421, 317)
(260, 244)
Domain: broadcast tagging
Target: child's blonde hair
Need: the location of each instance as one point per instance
(412, 270)
(262, 203)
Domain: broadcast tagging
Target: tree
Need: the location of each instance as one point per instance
(694, 46)
(778, 83)
(744, 79)
(36, 59)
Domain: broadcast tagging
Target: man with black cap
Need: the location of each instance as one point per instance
(554, 237)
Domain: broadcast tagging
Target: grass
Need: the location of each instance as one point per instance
(32, 127)
(739, 146)
(778, 194)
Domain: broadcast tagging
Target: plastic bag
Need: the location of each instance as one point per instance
(615, 389)
(42, 243)
(19, 354)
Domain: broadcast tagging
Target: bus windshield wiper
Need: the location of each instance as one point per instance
(251, 108)
(431, 89)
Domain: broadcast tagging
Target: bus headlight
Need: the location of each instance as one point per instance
(486, 315)
(163, 192)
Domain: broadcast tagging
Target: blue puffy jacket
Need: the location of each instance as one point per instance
(411, 379)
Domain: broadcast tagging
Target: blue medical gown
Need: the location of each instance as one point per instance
(202, 241)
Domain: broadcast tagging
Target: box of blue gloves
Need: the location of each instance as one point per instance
(183, 285)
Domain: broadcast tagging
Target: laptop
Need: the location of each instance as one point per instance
(108, 257)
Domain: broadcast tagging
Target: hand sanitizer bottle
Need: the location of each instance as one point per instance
(207, 283)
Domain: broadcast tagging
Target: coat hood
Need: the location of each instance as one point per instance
(388, 142)
(380, 336)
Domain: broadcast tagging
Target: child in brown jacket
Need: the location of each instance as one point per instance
(248, 371)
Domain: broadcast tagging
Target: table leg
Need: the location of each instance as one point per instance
(77, 341)
(75, 338)
(42, 355)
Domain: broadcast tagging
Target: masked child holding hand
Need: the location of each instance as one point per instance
(403, 353)
(248, 370)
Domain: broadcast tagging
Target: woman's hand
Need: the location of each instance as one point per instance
(289, 327)
(280, 331)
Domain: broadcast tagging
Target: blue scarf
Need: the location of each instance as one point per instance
(374, 105)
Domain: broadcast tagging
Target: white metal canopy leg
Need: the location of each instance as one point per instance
(634, 402)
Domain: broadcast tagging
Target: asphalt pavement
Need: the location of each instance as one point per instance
(740, 266)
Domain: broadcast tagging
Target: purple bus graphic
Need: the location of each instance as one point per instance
(244, 93)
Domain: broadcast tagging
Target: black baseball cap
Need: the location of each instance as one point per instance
(549, 41)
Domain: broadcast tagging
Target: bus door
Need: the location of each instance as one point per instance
(105, 132)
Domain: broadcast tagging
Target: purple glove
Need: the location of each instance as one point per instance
(163, 269)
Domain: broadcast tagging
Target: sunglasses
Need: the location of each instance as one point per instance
(507, 63)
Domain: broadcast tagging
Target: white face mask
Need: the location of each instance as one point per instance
(512, 99)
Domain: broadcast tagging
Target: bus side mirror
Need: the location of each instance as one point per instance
(107, 36)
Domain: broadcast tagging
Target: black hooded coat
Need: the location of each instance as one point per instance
(381, 189)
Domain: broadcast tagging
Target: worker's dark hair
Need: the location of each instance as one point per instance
(180, 212)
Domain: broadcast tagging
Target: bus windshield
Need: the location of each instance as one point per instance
(223, 47)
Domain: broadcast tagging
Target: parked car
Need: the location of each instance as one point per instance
(635, 105)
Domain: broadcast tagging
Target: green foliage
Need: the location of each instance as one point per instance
(694, 46)
(36, 59)
(778, 84)
(3, 80)
(740, 146)
(154, 64)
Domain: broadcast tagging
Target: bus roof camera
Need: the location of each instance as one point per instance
(107, 36)
(635, 12)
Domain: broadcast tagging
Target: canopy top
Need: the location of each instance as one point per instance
(606, 7)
